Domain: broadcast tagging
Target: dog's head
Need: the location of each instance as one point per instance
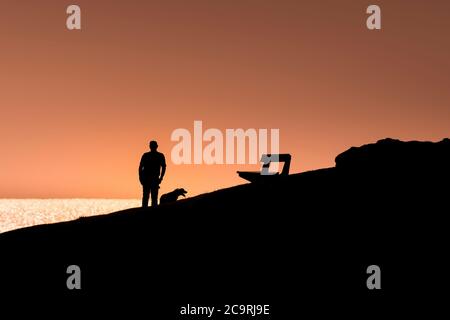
(180, 192)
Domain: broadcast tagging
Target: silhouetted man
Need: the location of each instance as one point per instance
(151, 172)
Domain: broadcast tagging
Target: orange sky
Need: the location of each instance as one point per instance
(78, 107)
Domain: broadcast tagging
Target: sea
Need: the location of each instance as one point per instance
(21, 213)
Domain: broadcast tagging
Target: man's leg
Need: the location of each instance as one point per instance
(154, 192)
(145, 195)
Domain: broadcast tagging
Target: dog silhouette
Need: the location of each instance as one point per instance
(172, 196)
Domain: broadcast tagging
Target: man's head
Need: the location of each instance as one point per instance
(153, 145)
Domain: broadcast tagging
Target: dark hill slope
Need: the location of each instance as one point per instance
(307, 237)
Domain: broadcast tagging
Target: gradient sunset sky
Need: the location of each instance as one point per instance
(77, 108)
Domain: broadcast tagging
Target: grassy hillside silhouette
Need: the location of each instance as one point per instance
(309, 235)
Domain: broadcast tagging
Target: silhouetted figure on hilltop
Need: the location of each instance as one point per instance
(151, 172)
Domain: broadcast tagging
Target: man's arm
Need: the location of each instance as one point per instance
(141, 168)
(163, 168)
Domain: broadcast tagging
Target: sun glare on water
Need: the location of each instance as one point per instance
(20, 213)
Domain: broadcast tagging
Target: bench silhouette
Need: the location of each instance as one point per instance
(264, 174)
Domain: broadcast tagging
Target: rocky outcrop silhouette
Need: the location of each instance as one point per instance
(397, 156)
